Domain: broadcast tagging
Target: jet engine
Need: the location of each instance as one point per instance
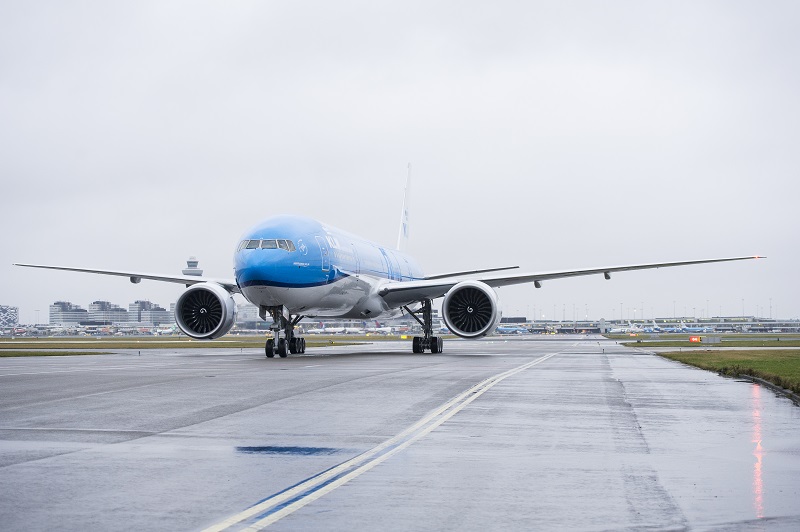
(471, 310)
(205, 311)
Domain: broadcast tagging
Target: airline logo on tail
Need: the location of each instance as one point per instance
(402, 238)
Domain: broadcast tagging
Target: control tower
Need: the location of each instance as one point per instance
(191, 267)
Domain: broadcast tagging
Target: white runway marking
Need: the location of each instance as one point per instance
(288, 501)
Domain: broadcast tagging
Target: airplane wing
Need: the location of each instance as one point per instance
(135, 277)
(407, 292)
(470, 272)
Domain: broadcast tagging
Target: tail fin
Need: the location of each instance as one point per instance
(402, 237)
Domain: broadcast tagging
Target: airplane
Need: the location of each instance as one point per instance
(635, 328)
(631, 328)
(686, 328)
(619, 330)
(380, 329)
(658, 329)
(293, 267)
(653, 328)
(511, 330)
(318, 330)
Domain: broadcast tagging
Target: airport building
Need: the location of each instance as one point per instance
(65, 314)
(247, 313)
(106, 313)
(9, 316)
(148, 313)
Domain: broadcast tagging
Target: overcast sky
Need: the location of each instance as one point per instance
(547, 135)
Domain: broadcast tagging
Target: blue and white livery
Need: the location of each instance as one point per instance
(294, 267)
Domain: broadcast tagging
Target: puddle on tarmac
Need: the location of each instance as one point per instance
(290, 451)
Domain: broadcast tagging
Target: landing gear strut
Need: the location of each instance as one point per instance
(288, 343)
(420, 344)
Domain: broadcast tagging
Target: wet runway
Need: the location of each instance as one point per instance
(535, 433)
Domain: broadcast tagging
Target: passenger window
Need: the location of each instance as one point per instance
(282, 245)
(253, 244)
(291, 245)
(268, 244)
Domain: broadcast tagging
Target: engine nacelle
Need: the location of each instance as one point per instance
(205, 311)
(471, 309)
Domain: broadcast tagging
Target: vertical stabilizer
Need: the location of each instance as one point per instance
(402, 237)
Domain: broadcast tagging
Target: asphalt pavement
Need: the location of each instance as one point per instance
(522, 433)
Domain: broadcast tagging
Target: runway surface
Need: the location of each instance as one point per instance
(538, 433)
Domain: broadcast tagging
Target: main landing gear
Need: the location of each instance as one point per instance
(420, 344)
(288, 343)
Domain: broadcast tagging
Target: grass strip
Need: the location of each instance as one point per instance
(763, 337)
(780, 367)
(734, 343)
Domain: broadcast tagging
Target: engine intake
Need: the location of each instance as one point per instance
(470, 309)
(205, 311)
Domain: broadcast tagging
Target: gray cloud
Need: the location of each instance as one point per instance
(547, 135)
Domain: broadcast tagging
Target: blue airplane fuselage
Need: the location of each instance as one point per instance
(314, 269)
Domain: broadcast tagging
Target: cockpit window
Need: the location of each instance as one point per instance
(286, 245)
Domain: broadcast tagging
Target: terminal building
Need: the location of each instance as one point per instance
(66, 314)
(9, 317)
(144, 313)
(106, 313)
(247, 316)
(148, 313)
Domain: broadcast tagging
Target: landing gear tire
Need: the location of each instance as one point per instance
(420, 344)
(436, 344)
(282, 348)
(269, 349)
(294, 345)
(302, 345)
(416, 345)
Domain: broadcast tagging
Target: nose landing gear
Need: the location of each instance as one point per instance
(287, 343)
